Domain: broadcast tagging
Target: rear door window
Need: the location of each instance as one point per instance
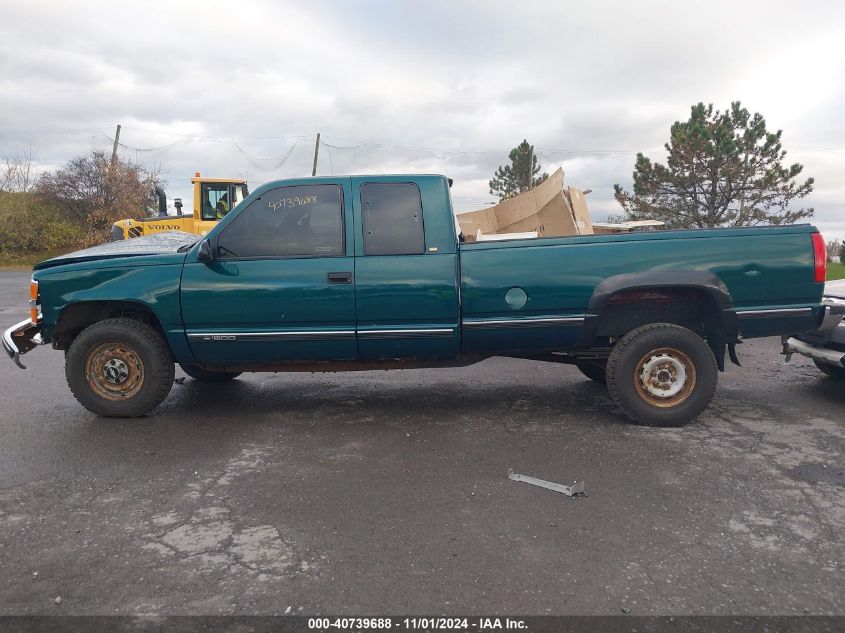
(392, 217)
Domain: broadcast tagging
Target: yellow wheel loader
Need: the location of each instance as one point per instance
(213, 199)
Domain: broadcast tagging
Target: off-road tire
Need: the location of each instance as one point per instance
(636, 350)
(137, 341)
(204, 375)
(833, 371)
(594, 371)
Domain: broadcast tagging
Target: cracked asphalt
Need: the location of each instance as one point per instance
(387, 492)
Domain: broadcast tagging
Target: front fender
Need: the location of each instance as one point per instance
(155, 287)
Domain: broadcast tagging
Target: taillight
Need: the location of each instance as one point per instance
(33, 301)
(819, 258)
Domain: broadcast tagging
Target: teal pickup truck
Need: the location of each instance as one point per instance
(368, 272)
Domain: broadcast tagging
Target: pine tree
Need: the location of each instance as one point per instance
(521, 175)
(723, 169)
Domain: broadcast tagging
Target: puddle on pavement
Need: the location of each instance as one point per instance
(819, 473)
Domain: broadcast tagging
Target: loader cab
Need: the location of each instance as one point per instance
(214, 198)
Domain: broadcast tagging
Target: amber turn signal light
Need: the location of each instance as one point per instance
(33, 301)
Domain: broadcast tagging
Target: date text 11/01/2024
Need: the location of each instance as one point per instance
(417, 623)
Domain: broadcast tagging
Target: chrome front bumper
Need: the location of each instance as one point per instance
(20, 339)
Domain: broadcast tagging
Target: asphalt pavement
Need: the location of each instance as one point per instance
(387, 492)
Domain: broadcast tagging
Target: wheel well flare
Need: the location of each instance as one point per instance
(78, 316)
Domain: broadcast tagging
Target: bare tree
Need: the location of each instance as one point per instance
(94, 192)
(18, 172)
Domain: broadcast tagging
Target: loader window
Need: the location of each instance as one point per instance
(239, 192)
(304, 221)
(214, 198)
(392, 218)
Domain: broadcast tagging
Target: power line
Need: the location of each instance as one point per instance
(282, 159)
(360, 144)
(144, 149)
(470, 150)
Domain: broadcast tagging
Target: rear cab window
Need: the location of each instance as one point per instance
(392, 219)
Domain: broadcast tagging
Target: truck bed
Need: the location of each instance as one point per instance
(768, 271)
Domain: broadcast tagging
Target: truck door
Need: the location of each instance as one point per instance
(406, 284)
(281, 286)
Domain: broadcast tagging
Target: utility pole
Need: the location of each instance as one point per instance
(316, 152)
(114, 148)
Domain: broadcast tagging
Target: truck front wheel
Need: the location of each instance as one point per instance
(119, 368)
(661, 374)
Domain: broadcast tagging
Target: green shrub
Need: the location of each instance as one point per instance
(29, 224)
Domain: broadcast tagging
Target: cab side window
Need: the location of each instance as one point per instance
(303, 221)
(392, 217)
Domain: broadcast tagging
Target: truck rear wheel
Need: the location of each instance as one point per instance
(119, 368)
(661, 375)
(204, 375)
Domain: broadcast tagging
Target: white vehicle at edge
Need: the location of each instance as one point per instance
(825, 345)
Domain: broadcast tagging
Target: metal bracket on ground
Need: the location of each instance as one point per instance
(576, 488)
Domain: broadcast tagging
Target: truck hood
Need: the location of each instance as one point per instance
(156, 244)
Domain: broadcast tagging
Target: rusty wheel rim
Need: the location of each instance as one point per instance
(665, 377)
(114, 371)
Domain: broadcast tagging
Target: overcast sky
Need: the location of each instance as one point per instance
(239, 89)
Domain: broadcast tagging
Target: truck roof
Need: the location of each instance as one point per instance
(305, 180)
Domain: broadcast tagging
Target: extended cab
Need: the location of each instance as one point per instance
(364, 272)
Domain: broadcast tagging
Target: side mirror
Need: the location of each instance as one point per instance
(206, 253)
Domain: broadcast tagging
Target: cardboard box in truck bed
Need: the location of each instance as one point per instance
(549, 210)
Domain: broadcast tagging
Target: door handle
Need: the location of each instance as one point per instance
(340, 278)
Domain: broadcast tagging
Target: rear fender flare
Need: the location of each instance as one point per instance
(700, 280)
